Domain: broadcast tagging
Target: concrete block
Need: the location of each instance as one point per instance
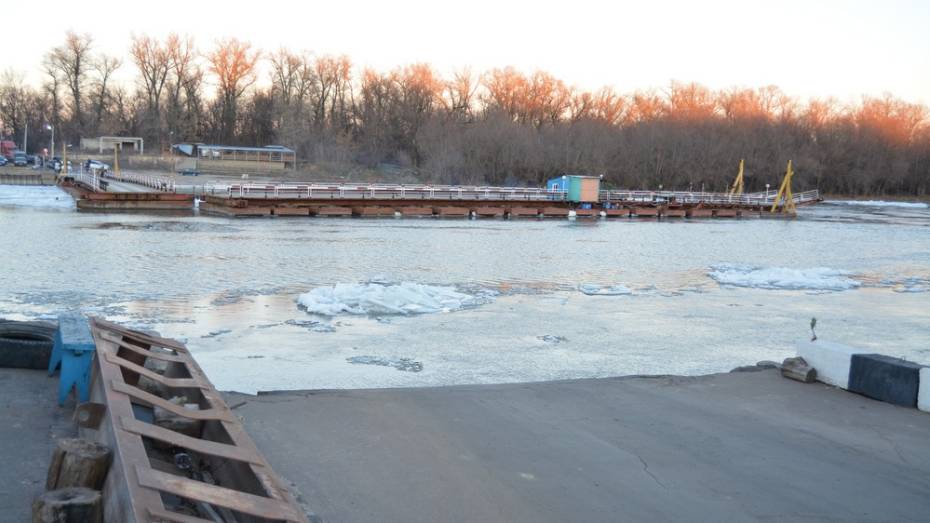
(923, 392)
(884, 378)
(830, 359)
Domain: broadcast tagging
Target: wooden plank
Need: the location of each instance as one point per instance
(147, 352)
(202, 446)
(125, 482)
(152, 340)
(179, 383)
(155, 401)
(123, 499)
(215, 495)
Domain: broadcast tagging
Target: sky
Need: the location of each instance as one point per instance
(844, 49)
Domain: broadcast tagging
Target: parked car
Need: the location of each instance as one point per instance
(96, 165)
(3, 161)
(19, 159)
(7, 148)
(54, 164)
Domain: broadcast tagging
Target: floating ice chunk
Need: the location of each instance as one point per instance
(35, 196)
(214, 334)
(813, 279)
(376, 298)
(879, 203)
(913, 284)
(401, 364)
(596, 290)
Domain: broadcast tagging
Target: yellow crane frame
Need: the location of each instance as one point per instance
(785, 192)
(738, 185)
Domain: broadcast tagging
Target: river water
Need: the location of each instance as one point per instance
(278, 303)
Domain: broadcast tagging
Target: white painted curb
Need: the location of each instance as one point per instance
(831, 360)
(923, 391)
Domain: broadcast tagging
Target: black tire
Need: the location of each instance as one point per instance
(26, 344)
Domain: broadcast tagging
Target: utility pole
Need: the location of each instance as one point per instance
(51, 149)
(26, 139)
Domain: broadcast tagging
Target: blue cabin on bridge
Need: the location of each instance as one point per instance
(577, 189)
(559, 184)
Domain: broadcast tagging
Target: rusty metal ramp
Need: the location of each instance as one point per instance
(179, 453)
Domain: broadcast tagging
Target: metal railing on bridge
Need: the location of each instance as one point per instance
(155, 182)
(452, 192)
(89, 180)
(389, 192)
(760, 199)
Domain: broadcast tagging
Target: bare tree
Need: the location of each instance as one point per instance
(153, 60)
(104, 67)
(71, 62)
(233, 63)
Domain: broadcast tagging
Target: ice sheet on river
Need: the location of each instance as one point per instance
(815, 278)
(879, 203)
(379, 298)
(35, 196)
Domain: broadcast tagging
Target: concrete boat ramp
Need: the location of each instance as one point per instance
(743, 446)
(749, 446)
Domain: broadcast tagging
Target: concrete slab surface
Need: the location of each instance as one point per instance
(727, 447)
(30, 424)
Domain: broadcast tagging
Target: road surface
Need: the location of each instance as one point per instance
(729, 447)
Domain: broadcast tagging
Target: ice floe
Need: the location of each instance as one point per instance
(383, 299)
(592, 289)
(401, 364)
(879, 203)
(810, 279)
(35, 196)
(912, 285)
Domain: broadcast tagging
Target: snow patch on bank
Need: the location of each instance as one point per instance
(879, 203)
(35, 196)
(405, 298)
(810, 279)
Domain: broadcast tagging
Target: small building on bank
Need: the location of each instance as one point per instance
(578, 189)
(232, 158)
(108, 143)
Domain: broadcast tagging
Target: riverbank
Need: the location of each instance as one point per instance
(738, 446)
(723, 447)
(31, 423)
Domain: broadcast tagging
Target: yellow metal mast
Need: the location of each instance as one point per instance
(738, 184)
(116, 171)
(785, 192)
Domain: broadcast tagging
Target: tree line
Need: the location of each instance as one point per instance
(501, 126)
